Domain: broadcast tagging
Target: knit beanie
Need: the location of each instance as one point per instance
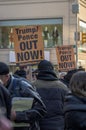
(21, 73)
(45, 65)
(4, 69)
(69, 74)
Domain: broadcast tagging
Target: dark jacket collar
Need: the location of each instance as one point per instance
(47, 75)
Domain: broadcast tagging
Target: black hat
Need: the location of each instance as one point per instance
(45, 65)
(69, 74)
(21, 73)
(4, 69)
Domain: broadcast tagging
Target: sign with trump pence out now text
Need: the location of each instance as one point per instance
(28, 44)
(65, 57)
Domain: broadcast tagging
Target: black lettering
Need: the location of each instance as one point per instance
(61, 65)
(26, 56)
(35, 44)
(29, 45)
(34, 54)
(22, 46)
(20, 56)
(65, 58)
(66, 65)
(29, 55)
(27, 37)
(19, 37)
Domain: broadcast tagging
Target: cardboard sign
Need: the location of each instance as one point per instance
(28, 44)
(65, 57)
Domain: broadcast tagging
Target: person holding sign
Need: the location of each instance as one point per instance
(28, 108)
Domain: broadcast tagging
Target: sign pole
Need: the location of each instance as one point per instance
(75, 10)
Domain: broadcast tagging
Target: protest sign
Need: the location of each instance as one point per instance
(65, 57)
(21, 104)
(28, 44)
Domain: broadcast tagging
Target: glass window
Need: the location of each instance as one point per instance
(52, 31)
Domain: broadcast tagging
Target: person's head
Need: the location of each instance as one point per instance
(78, 83)
(4, 72)
(23, 67)
(20, 73)
(46, 71)
(45, 65)
(69, 74)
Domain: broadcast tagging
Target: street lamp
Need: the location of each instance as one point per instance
(75, 10)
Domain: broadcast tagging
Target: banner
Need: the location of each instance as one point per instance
(28, 44)
(65, 57)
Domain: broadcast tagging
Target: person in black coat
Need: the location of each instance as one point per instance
(52, 92)
(75, 103)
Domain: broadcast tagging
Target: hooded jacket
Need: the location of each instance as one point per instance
(52, 92)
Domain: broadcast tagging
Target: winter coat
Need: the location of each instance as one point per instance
(75, 112)
(52, 92)
(19, 87)
(5, 101)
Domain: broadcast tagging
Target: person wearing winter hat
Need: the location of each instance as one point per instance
(68, 76)
(20, 87)
(52, 92)
(46, 71)
(21, 71)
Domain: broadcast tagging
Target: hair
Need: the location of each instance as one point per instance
(78, 83)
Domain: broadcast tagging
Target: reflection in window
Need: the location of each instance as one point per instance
(52, 35)
(6, 38)
(52, 31)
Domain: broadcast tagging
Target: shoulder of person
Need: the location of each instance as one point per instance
(62, 85)
(22, 82)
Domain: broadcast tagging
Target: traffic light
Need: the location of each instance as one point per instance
(83, 38)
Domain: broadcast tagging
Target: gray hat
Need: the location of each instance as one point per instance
(4, 69)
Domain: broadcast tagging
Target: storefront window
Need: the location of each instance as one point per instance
(52, 31)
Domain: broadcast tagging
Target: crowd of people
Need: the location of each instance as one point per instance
(56, 103)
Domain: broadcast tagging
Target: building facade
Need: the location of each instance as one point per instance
(59, 16)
